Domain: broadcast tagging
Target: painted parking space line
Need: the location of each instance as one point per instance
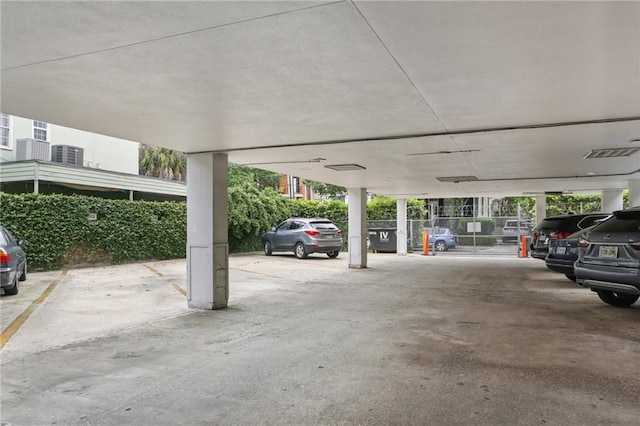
(15, 325)
(160, 274)
(180, 289)
(154, 270)
(254, 272)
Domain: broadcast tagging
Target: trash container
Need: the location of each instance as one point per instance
(383, 240)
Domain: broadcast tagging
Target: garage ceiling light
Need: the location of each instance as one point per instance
(345, 167)
(456, 179)
(611, 153)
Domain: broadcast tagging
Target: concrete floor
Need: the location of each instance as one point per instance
(411, 340)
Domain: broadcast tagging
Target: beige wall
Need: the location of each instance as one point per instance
(100, 151)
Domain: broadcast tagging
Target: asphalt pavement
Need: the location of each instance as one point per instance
(411, 340)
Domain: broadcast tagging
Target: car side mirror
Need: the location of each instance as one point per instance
(273, 228)
(22, 243)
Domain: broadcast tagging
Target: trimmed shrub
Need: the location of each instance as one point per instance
(58, 231)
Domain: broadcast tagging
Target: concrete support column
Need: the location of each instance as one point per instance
(612, 200)
(634, 193)
(131, 195)
(357, 228)
(401, 233)
(541, 207)
(207, 234)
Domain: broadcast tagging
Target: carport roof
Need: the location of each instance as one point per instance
(514, 94)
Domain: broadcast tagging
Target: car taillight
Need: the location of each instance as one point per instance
(339, 233)
(636, 246)
(582, 243)
(559, 235)
(535, 236)
(4, 257)
(311, 232)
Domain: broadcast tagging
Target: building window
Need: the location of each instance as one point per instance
(40, 131)
(296, 185)
(5, 131)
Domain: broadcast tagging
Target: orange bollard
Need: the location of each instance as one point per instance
(425, 243)
(523, 246)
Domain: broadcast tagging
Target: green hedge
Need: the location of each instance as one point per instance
(481, 240)
(58, 231)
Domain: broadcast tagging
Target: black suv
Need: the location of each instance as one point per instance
(609, 259)
(558, 227)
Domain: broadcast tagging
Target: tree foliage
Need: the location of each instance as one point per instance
(163, 163)
(251, 213)
(327, 190)
(239, 175)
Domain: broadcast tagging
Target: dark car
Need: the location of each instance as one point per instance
(303, 237)
(559, 227)
(609, 260)
(563, 253)
(13, 262)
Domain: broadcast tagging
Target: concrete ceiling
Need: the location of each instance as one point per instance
(516, 92)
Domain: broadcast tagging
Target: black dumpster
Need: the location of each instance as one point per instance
(383, 240)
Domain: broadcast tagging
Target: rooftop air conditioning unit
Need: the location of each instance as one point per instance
(67, 154)
(32, 149)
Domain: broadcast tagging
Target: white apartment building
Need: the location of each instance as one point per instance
(42, 157)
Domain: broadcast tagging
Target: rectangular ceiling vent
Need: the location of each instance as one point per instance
(611, 153)
(456, 179)
(345, 167)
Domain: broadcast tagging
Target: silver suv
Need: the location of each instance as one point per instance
(303, 237)
(609, 258)
(514, 229)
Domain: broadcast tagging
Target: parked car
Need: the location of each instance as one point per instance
(609, 260)
(303, 237)
(13, 262)
(441, 239)
(563, 253)
(559, 227)
(513, 229)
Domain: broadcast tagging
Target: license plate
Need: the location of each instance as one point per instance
(561, 250)
(608, 251)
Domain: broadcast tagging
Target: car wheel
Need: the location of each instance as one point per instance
(441, 245)
(617, 299)
(13, 290)
(267, 248)
(23, 277)
(300, 251)
(570, 276)
(333, 254)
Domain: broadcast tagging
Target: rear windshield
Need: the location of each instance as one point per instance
(322, 225)
(621, 222)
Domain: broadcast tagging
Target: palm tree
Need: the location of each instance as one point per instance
(163, 163)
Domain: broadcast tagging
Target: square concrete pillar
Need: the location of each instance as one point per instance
(541, 207)
(634, 193)
(401, 232)
(357, 203)
(612, 200)
(207, 231)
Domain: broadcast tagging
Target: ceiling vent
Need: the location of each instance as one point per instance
(443, 152)
(456, 179)
(611, 153)
(67, 154)
(345, 167)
